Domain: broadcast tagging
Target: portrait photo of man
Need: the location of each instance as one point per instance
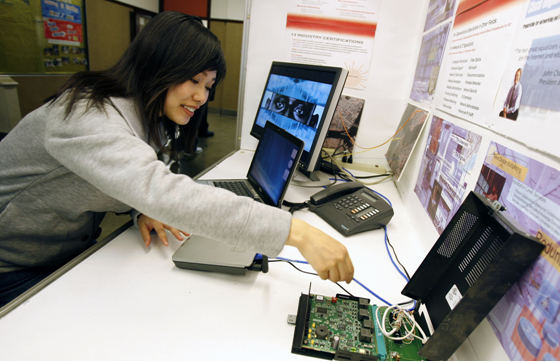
(513, 99)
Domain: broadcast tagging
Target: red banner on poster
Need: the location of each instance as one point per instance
(62, 30)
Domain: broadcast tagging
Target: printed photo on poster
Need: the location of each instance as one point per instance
(344, 125)
(513, 98)
(527, 104)
(438, 12)
(429, 63)
(526, 319)
(448, 158)
(475, 58)
(405, 138)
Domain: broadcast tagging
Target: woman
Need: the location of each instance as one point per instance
(92, 149)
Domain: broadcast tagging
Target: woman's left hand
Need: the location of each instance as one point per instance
(146, 224)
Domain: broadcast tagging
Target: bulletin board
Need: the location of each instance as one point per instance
(43, 37)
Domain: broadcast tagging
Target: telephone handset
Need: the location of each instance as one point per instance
(351, 208)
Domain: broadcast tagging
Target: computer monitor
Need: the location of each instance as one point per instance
(302, 99)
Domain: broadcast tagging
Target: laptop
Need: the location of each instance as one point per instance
(271, 170)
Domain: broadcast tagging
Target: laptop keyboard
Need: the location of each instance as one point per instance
(237, 187)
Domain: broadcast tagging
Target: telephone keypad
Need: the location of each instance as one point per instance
(355, 205)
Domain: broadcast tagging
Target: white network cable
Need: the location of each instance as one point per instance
(404, 318)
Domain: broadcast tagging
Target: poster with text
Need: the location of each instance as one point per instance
(448, 158)
(527, 107)
(429, 64)
(465, 5)
(42, 36)
(438, 12)
(406, 136)
(62, 22)
(476, 54)
(338, 34)
(526, 319)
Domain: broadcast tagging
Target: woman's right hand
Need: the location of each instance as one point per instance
(326, 255)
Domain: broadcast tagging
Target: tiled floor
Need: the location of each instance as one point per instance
(214, 149)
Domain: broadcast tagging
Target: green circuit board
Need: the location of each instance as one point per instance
(406, 351)
(347, 327)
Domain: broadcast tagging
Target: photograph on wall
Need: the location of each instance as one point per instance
(449, 157)
(405, 138)
(344, 125)
(527, 106)
(429, 64)
(43, 36)
(475, 58)
(438, 12)
(337, 34)
(526, 319)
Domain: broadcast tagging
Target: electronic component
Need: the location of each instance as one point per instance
(345, 328)
(336, 340)
(322, 332)
(363, 303)
(365, 335)
(322, 310)
(363, 314)
(292, 319)
(367, 323)
(472, 265)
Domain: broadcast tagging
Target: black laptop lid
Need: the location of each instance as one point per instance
(276, 158)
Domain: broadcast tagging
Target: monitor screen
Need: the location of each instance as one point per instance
(301, 99)
(274, 162)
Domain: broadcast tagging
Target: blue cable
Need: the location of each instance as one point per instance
(354, 279)
(383, 196)
(377, 296)
(293, 261)
(350, 173)
(388, 252)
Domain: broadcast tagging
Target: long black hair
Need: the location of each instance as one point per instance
(170, 50)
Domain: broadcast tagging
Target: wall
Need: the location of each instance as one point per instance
(225, 21)
(108, 27)
(397, 43)
(228, 9)
(231, 36)
(389, 79)
(34, 89)
(108, 33)
(191, 7)
(149, 5)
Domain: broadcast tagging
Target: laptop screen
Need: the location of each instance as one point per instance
(273, 165)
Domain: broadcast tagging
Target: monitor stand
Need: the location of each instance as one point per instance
(314, 179)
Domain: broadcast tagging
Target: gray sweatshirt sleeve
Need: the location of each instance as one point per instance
(102, 148)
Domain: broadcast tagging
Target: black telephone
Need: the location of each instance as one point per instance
(351, 208)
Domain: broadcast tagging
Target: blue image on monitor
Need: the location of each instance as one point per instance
(295, 105)
(273, 162)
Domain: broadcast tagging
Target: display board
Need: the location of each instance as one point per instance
(43, 36)
(458, 60)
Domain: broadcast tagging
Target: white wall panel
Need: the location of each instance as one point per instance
(150, 5)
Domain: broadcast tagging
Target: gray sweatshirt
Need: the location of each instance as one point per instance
(58, 177)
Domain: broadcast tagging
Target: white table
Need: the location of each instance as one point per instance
(126, 301)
